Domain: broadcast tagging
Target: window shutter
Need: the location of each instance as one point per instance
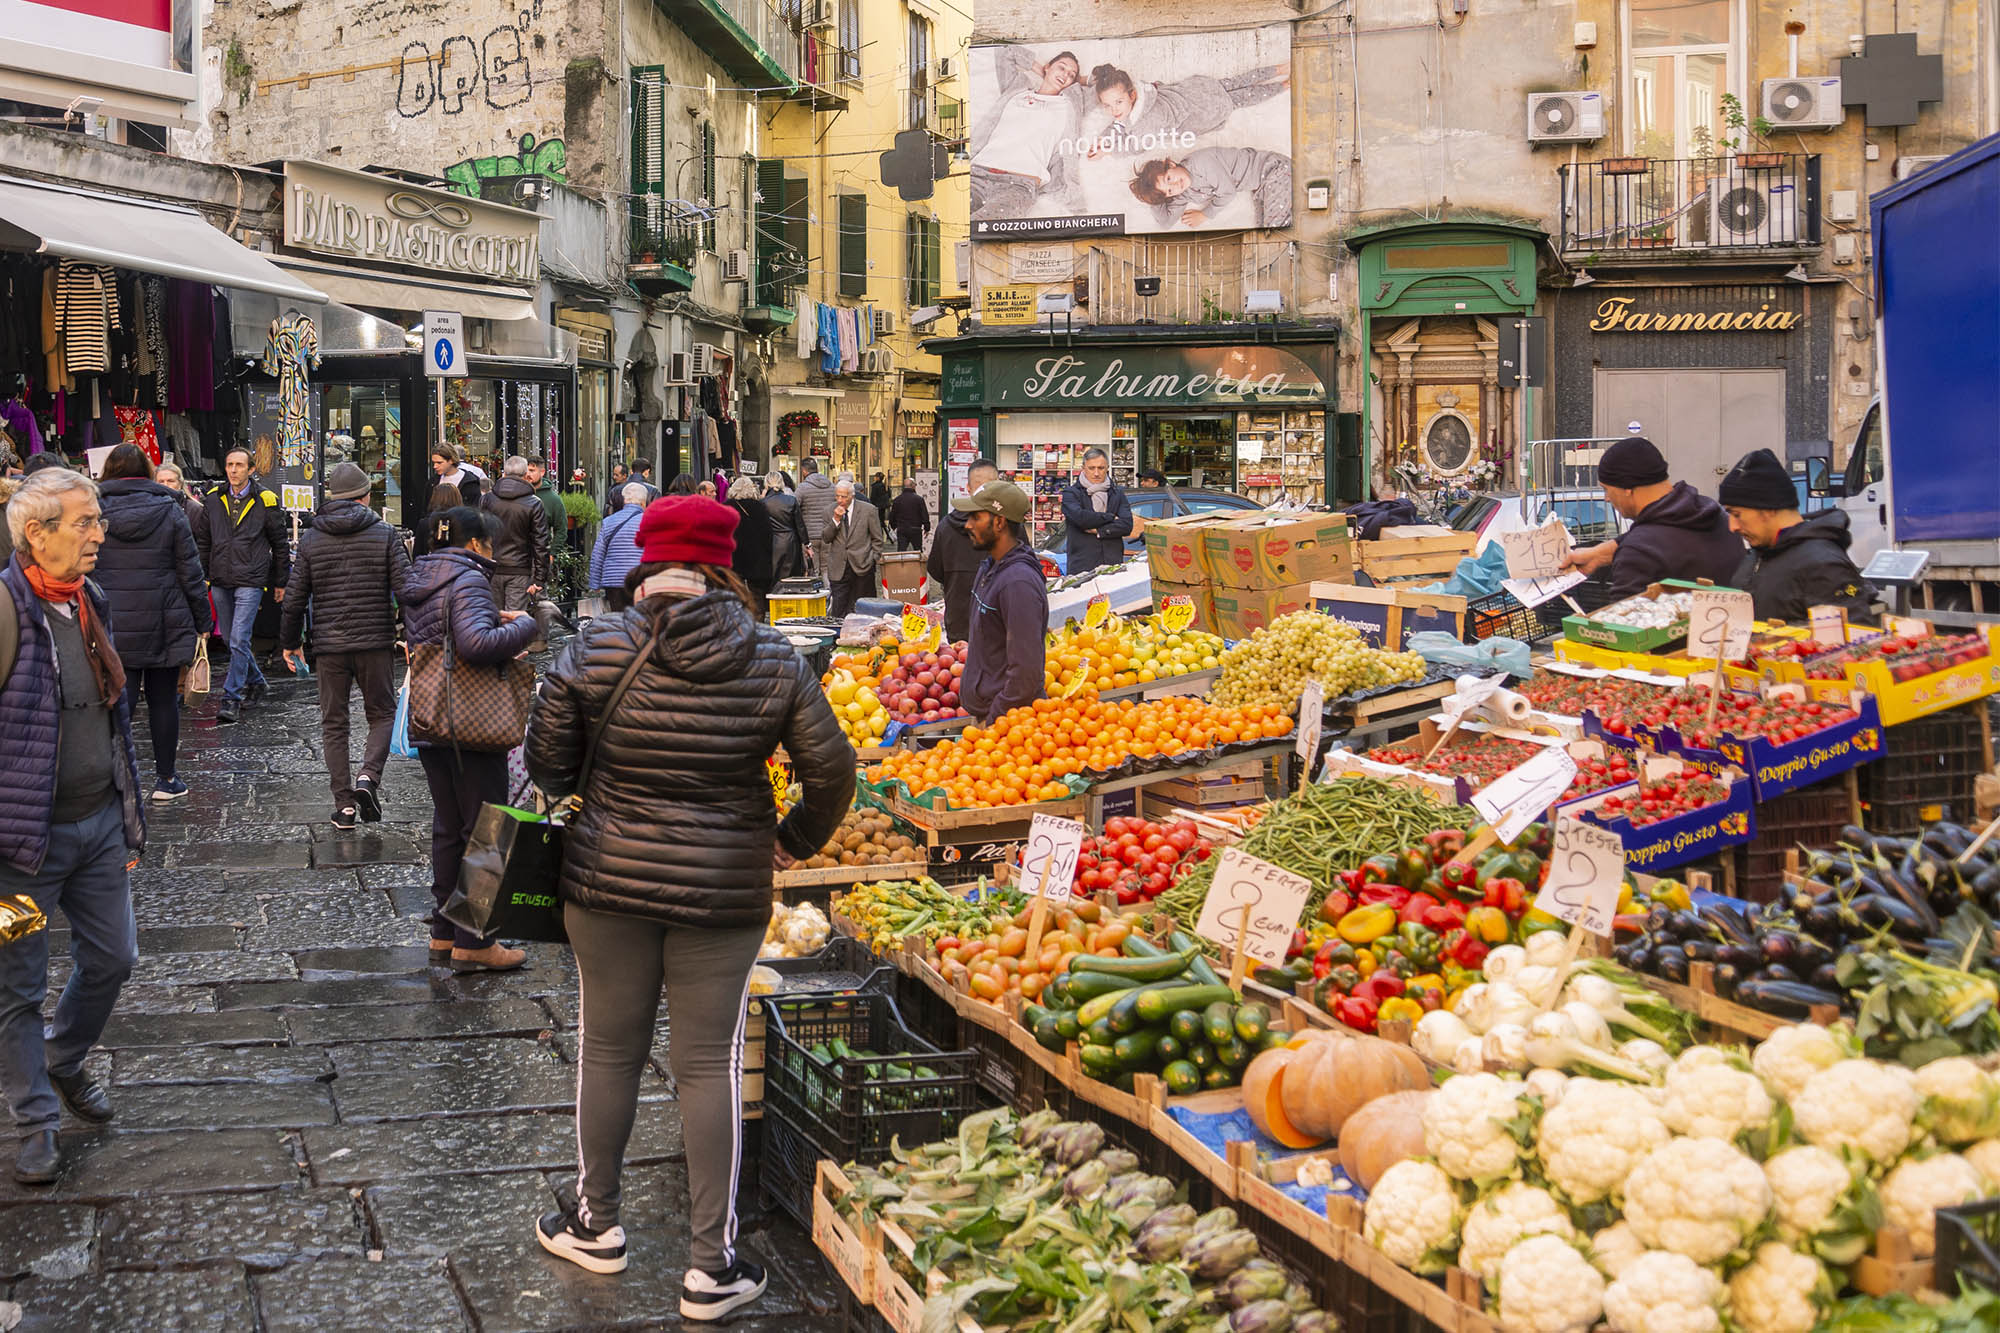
(931, 261)
(853, 245)
(913, 260)
(649, 156)
(798, 232)
(708, 183)
(780, 229)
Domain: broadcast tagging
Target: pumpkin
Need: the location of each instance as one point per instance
(1329, 1081)
(1263, 1098)
(1386, 1131)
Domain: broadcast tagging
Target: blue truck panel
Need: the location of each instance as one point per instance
(1937, 284)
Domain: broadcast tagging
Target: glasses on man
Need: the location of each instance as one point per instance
(83, 527)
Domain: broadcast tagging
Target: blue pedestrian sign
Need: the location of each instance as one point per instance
(444, 341)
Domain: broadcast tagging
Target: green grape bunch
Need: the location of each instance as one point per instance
(1272, 666)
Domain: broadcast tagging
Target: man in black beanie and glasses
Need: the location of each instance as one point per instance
(1676, 533)
(1795, 563)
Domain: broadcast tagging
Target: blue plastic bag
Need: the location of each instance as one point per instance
(1440, 649)
(399, 736)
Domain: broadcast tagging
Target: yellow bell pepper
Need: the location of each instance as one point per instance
(1365, 962)
(1674, 894)
(1366, 924)
(1400, 1007)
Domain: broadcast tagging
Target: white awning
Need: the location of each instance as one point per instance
(137, 234)
(396, 291)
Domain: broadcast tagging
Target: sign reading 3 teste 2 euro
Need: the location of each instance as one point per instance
(1136, 135)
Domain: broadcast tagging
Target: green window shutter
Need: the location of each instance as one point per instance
(853, 245)
(781, 231)
(931, 260)
(913, 260)
(708, 183)
(649, 157)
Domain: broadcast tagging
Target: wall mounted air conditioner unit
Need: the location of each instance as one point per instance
(736, 266)
(680, 369)
(1804, 104)
(703, 361)
(821, 13)
(877, 361)
(1907, 167)
(1755, 210)
(946, 68)
(1565, 117)
(885, 321)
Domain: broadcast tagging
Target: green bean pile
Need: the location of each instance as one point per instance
(1327, 828)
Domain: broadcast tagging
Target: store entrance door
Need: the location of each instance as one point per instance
(1194, 450)
(1702, 420)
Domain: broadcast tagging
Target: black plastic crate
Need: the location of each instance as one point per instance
(1812, 816)
(927, 1013)
(1927, 770)
(786, 1169)
(843, 963)
(844, 1111)
(1968, 1246)
(1499, 615)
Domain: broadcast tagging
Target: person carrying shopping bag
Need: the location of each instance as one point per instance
(667, 865)
(448, 607)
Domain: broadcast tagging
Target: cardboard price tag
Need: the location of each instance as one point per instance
(1176, 612)
(1586, 872)
(915, 623)
(1829, 624)
(1252, 907)
(780, 774)
(1096, 611)
(1907, 627)
(1719, 622)
(1518, 797)
(1312, 707)
(1536, 553)
(1533, 592)
(1048, 857)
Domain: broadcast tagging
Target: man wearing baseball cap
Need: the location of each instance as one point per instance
(1795, 563)
(1676, 533)
(1005, 654)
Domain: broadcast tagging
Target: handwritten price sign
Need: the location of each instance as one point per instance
(1719, 623)
(1096, 611)
(1048, 858)
(1253, 902)
(1586, 872)
(1312, 710)
(781, 779)
(1518, 797)
(1536, 553)
(1829, 624)
(1176, 612)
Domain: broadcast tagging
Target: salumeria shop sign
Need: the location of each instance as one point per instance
(375, 219)
(1151, 375)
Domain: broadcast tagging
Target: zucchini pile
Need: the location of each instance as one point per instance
(1152, 1011)
(892, 1082)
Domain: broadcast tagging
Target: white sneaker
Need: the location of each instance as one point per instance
(706, 1295)
(562, 1235)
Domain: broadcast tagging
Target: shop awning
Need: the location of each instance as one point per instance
(136, 234)
(394, 291)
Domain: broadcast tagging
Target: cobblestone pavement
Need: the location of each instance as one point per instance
(317, 1130)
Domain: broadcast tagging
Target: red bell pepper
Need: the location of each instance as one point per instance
(1467, 950)
(1358, 1012)
(1393, 894)
(1507, 894)
(1412, 912)
(1336, 905)
(1299, 942)
(1446, 916)
(1445, 844)
(1459, 877)
(1382, 984)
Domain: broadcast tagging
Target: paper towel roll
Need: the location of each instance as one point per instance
(1509, 706)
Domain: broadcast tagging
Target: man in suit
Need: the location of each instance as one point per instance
(853, 540)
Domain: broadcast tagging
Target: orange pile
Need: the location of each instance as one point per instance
(1023, 756)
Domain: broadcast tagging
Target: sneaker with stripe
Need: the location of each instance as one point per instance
(566, 1237)
(707, 1296)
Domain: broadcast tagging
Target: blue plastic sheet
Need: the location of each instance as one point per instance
(1497, 653)
(1215, 1129)
(1476, 576)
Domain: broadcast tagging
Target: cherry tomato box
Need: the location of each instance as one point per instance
(1780, 743)
(1675, 835)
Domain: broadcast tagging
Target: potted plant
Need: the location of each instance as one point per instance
(1733, 120)
(1626, 166)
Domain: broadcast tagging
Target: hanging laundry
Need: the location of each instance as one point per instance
(829, 339)
(86, 311)
(191, 332)
(292, 349)
(805, 327)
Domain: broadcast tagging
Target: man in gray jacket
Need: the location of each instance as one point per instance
(815, 509)
(853, 542)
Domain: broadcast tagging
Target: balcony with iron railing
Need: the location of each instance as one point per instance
(756, 42)
(1199, 282)
(1632, 208)
(662, 245)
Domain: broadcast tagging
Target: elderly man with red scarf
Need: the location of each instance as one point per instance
(70, 815)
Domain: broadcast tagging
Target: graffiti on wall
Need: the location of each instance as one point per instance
(532, 157)
(446, 77)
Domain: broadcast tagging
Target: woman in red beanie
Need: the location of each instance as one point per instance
(667, 867)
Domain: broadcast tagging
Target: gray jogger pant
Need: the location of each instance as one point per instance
(621, 962)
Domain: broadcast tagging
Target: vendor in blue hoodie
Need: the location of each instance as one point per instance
(1005, 655)
(1676, 533)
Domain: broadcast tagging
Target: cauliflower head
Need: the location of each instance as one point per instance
(1465, 1126)
(1547, 1287)
(1960, 1102)
(1663, 1292)
(1778, 1291)
(1413, 1216)
(1917, 1188)
(1985, 1158)
(1865, 1105)
(1791, 1055)
(1592, 1139)
(1820, 1199)
(1697, 1197)
(1614, 1247)
(1710, 1057)
(1714, 1101)
(1497, 1222)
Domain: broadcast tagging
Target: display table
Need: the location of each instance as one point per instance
(1129, 587)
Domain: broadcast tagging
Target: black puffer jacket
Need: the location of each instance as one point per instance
(1806, 566)
(455, 585)
(1681, 535)
(149, 570)
(244, 543)
(522, 544)
(677, 823)
(351, 566)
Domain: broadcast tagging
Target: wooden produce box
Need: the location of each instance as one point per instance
(997, 823)
(833, 876)
(850, 1253)
(1386, 617)
(1234, 784)
(1419, 554)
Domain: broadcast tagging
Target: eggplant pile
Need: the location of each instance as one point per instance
(1866, 894)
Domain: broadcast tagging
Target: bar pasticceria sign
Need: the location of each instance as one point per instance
(1616, 315)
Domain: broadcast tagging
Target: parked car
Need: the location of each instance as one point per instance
(1163, 502)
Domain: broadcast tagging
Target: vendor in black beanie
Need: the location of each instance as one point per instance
(1795, 563)
(1676, 532)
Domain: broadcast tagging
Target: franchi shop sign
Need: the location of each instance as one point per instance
(361, 216)
(1626, 314)
(1150, 376)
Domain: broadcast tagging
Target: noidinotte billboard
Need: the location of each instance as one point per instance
(131, 59)
(1097, 137)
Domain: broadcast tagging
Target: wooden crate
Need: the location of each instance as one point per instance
(1219, 1170)
(1892, 1266)
(1431, 556)
(1737, 1022)
(850, 1253)
(791, 881)
(900, 1301)
(1001, 823)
